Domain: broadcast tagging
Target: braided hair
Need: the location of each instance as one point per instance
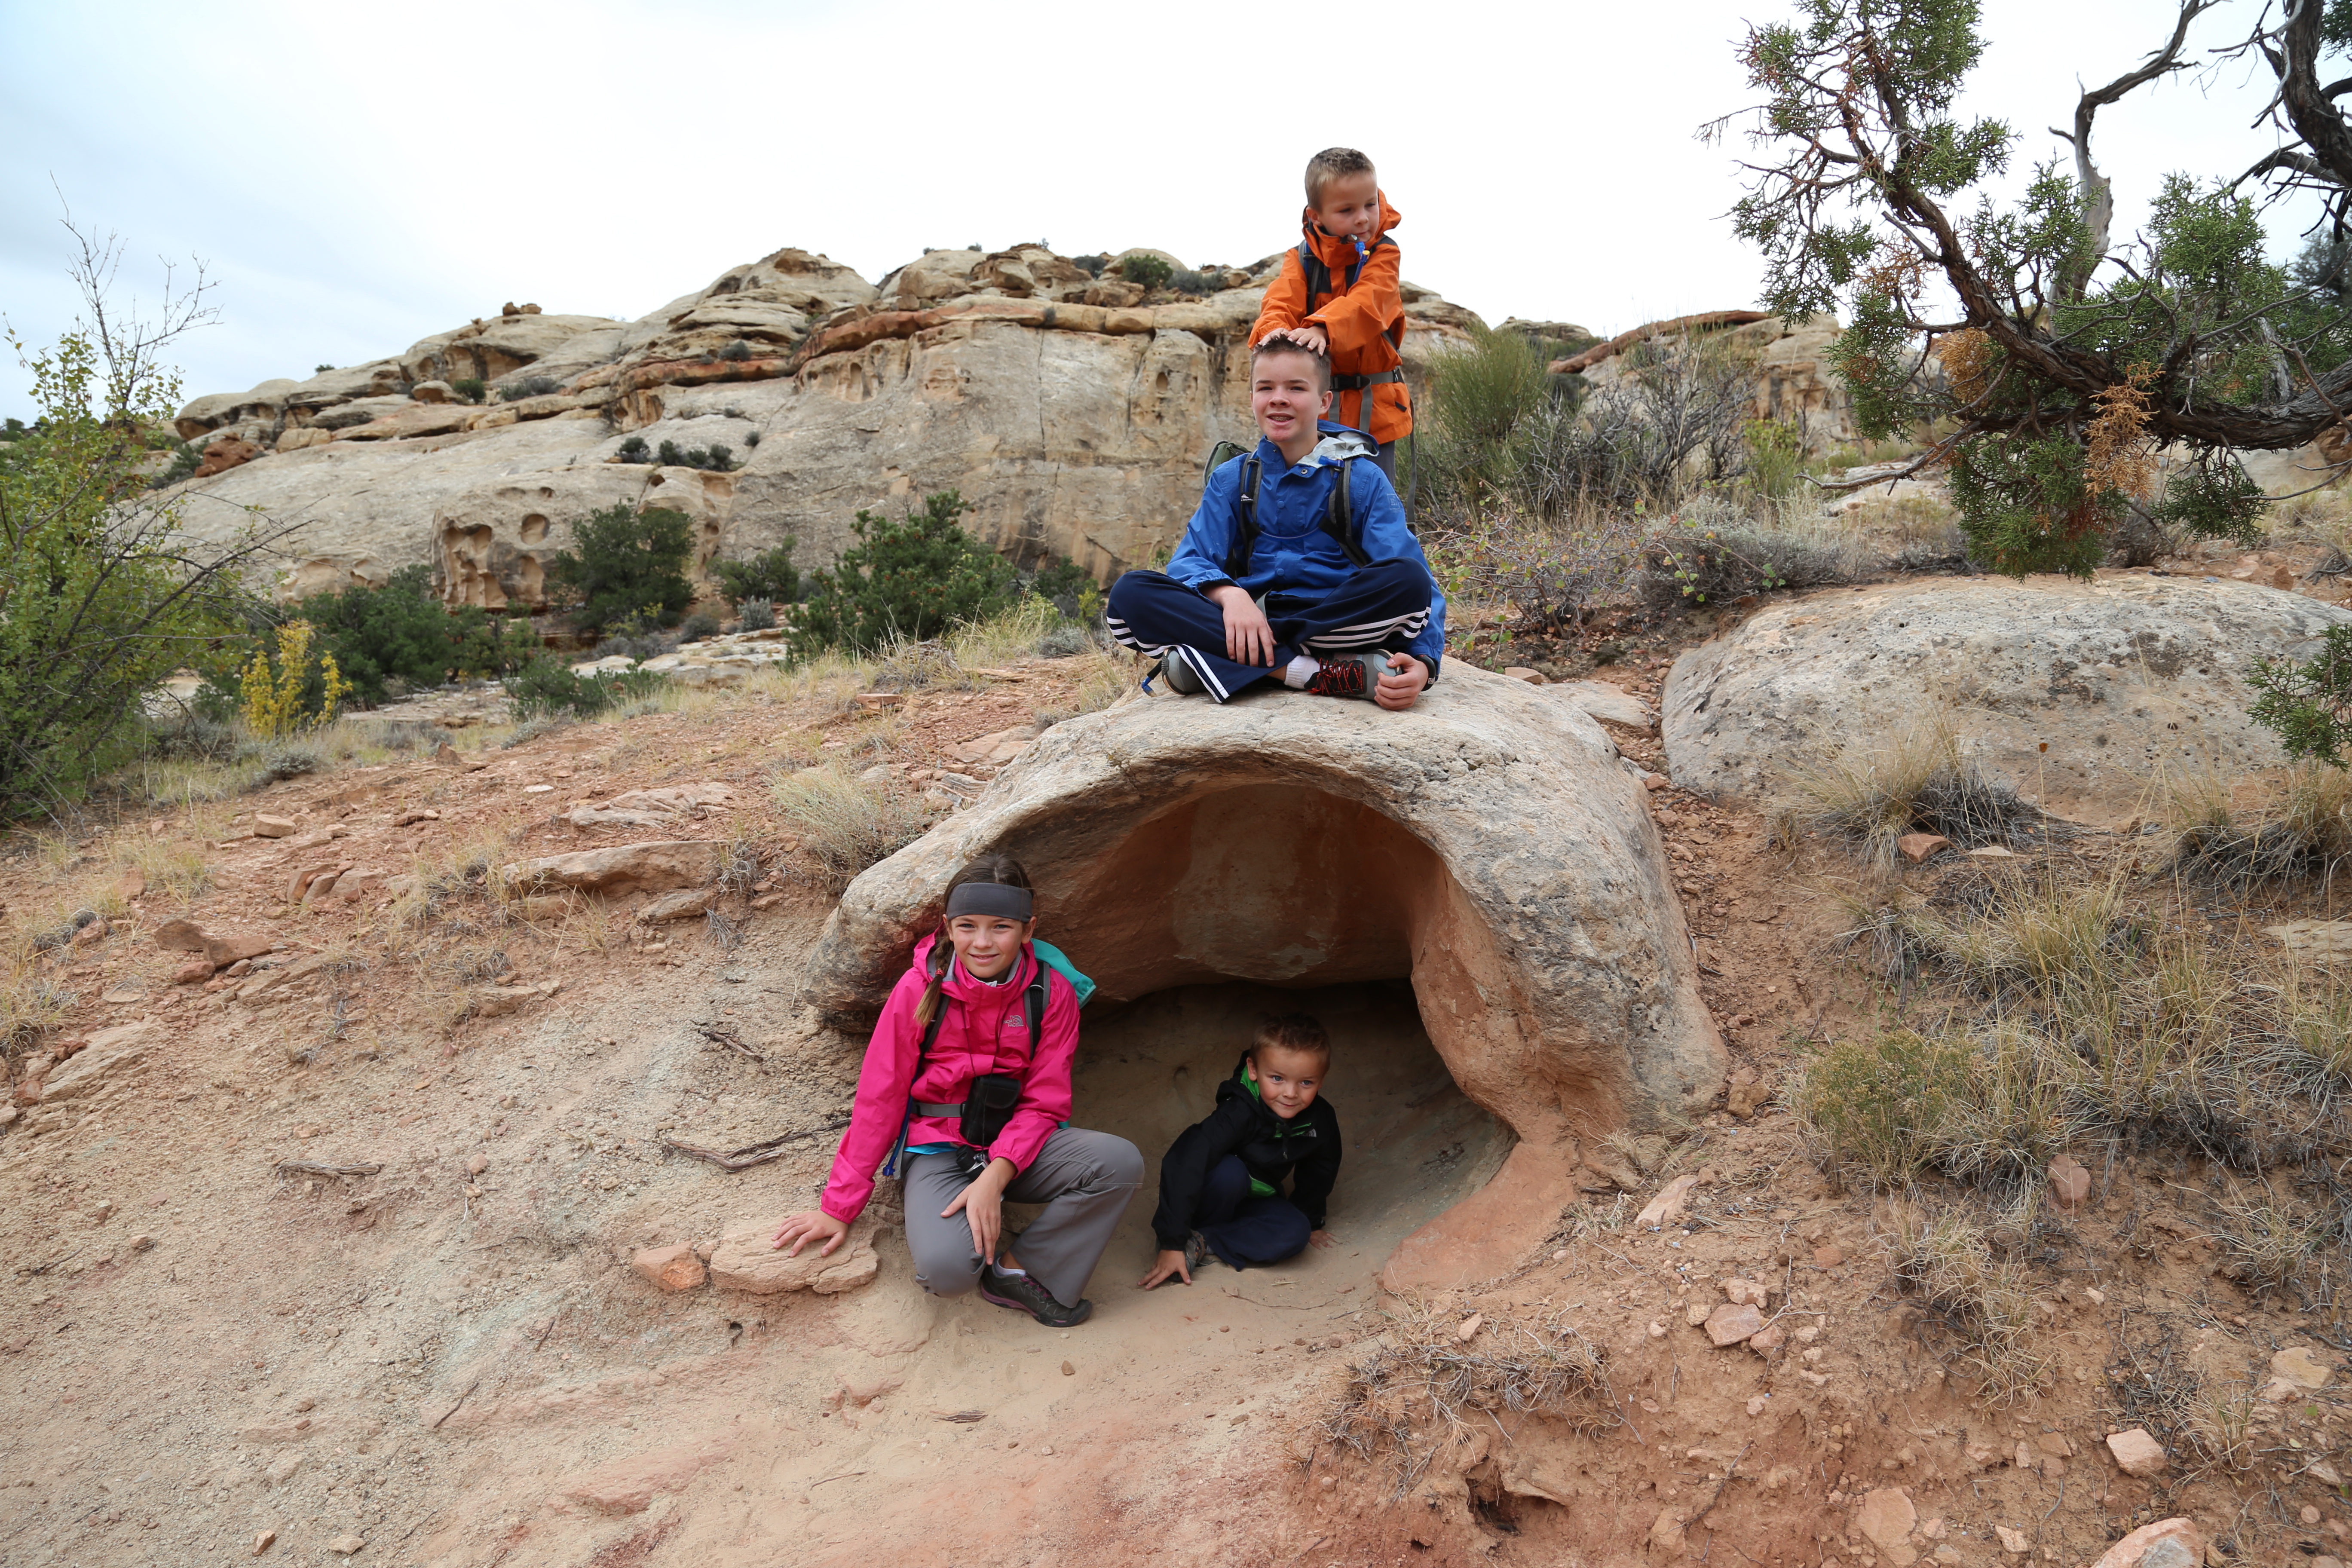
(999, 869)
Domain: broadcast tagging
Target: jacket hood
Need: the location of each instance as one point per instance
(1337, 252)
(1337, 444)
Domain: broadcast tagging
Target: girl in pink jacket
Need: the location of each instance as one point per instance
(967, 1081)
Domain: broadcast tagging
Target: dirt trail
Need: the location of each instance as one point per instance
(456, 1366)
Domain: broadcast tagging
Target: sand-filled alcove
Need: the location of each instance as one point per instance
(1484, 849)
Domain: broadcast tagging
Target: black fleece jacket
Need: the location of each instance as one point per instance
(1269, 1147)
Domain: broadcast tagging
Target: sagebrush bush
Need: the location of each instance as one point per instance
(847, 823)
(736, 352)
(756, 615)
(700, 625)
(547, 688)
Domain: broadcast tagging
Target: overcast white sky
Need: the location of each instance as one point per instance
(357, 177)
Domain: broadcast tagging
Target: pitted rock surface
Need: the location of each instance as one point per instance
(2126, 680)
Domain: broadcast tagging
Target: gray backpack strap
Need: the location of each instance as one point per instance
(1244, 543)
(1340, 520)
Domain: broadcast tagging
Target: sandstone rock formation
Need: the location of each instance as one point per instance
(1487, 845)
(2126, 681)
(1072, 411)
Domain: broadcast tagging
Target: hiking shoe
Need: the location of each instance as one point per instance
(1183, 678)
(1357, 674)
(1023, 1294)
(1196, 1252)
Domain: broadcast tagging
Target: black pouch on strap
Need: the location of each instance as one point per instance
(987, 1107)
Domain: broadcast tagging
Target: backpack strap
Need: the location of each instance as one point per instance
(1244, 545)
(1319, 276)
(1035, 997)
(1340, 520)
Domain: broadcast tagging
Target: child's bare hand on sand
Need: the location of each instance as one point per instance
(1321, 1238)
(1169, 1265)
(803, 1228)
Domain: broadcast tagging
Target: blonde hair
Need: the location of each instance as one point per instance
(1333, 164)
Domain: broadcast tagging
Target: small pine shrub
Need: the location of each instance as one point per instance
(751, 439)
(910, 579)
(400, 636)
(1151, 271)
(736, 352)
(627, 562)
(320, 370)
(635, 450)
(469, 388)
(769, 574)
(547, 687)
(1093, 264)
(722, 458)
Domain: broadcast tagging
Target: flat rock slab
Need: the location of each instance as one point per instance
(2128, 679)
(749, 1260)
(654, 867)
(108, 1052)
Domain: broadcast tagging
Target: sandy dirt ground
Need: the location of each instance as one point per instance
(445, 1357)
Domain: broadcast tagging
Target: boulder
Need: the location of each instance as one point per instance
(1485, 845)
(1613, 704)
(748, 1260)
(109, 1050)
(2137, 1453)
(1730, 1325)
(2166, 1543)
(2126, 680)
(654, 867)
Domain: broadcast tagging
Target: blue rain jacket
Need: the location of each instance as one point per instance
(1293, 553)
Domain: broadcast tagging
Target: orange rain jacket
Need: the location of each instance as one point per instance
(1366, 321)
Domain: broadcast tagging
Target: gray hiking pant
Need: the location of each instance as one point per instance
(1084, 1179)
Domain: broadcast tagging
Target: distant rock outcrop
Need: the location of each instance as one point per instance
(1073, 410)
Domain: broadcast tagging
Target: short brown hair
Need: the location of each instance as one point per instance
(1333, 164)
(1275, 343)
(1292, 1032)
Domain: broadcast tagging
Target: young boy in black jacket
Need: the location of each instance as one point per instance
(1221, 1182)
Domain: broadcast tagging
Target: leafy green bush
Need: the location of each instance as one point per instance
(104, 594)
(627, 561)
(399, 633)
(186, 459)
(769, 574)
(530, 386)
(546, 688)
(1151, 271)
(635, 450)
(736, 352)
(470, 388)
(909, 579)
(700, 625)
(320, 370)
(718, 458)
(1069, 586)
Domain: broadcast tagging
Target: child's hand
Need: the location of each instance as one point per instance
(982, 1207)
(1307, 335)
(1169, 1265)
(1248, 638)
(1402, 686)
(804, 1228)
(1320, 1239)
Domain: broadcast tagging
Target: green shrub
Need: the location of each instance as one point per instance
(757, 615)
(635, 450)
(320, 370)
(186, 459)
(1151, 271)
(546, 688)
(1877, 1104)
(736, 352)
(700, 625)
(470, 388)
(910, 579)
(530, 386)
(627, 561)
(718, 458)
(1093, 264)
(1185, 280)
(399, 633)
(770, 575)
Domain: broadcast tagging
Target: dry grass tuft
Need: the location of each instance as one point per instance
(1983, 1303)
(2266, 1241)
(1421, 1387)
(846, 823)
(2306, 833)
(1918, 785)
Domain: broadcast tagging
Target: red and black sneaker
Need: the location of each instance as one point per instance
(1357, 674)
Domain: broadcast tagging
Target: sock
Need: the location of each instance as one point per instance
(1298, 672)
(1009, 1273)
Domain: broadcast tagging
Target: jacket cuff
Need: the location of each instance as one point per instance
(1168, 1246)
(825, 1207)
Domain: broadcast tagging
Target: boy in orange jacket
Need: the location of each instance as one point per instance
(1339, 294)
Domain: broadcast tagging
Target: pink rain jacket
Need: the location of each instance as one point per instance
(986, 1031)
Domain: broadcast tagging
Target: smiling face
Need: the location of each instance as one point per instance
(1289, 1080)
(1288, 395)
(986, 945)
(1350, 206)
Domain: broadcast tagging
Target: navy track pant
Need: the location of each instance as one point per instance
(1384, 606)
(1244, 1230)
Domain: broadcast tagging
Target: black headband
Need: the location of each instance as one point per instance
(997, 899)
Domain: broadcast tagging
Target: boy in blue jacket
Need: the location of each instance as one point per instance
(1298, 565)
